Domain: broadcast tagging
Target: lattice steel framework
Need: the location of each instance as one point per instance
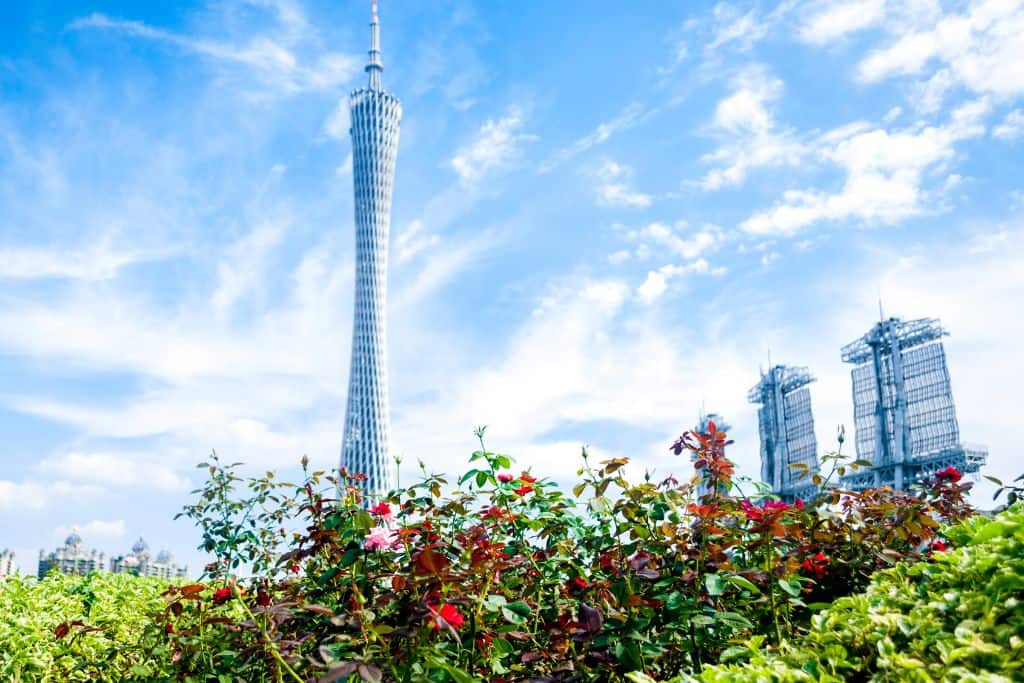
(786, 426)
(903, 407)
(376, 115)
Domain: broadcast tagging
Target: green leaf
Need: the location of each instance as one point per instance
(350, 556)
(511, 617)
(493, 603)
(713, 584)
(743, 582)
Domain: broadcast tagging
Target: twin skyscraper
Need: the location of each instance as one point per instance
(903, 411)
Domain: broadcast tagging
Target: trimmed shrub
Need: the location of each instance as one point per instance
(958, 617)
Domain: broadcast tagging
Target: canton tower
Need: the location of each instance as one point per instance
(375, 115)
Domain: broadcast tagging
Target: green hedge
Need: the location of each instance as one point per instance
(957, 618)
(107, 646)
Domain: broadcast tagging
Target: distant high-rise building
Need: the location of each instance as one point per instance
(7, 565)
(786, 427)
(903, 406)
(142, 563)
(702, 428)
(71, 558)
(375, 115)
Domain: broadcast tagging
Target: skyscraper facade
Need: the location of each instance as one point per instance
(905, 419)
(786, 426)
(375, 115)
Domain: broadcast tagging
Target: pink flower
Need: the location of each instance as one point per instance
(381, 538)
(383, 510)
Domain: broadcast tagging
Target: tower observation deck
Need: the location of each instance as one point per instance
(376, 115)
(903, 407)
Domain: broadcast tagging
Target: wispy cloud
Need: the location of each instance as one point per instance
(496, 144)
(116, 470)
(101, 262)
(103, 528)
(275, 62)
(751, 137)
(837, 19)
(885, 174)
(633, 114)
(1011, 127)
(978, 48)
(613, 187)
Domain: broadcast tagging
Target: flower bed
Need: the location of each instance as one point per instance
(500, 576)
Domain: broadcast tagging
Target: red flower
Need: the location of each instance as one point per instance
(527, 478)
(937, 546)
(262, 598)
(522, 490)
(169, 628)
(579, 583)
(495, 512)
(380, 509)
(447, 615)
(817, 565)
(799, 504)
(950, 474)
(221, 595)
(295, 569)
(767, 508)
(505, 477)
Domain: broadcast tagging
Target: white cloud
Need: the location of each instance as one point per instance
(38, 495)
(679, 239)
(657, 281)
(101, 262)
(114, 528)
(613, 187)
(274, 60)
(1012, 126)
(116, 469)
(241, 269)
(618, 257)
(497, 144)
(337, 124)
(653, 287)
(413, 240)
(885, 174)
(732, 26)
(627, 118)
(980, 49)
(752, 138)
(837, 19)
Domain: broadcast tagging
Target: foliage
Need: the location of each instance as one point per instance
(73, 628)
(958, 617)
(503, 577)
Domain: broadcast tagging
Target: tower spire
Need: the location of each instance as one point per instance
(374, 66)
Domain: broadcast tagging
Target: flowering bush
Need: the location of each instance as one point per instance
(500, 576)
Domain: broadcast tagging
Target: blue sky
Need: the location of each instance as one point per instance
(605, 215)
